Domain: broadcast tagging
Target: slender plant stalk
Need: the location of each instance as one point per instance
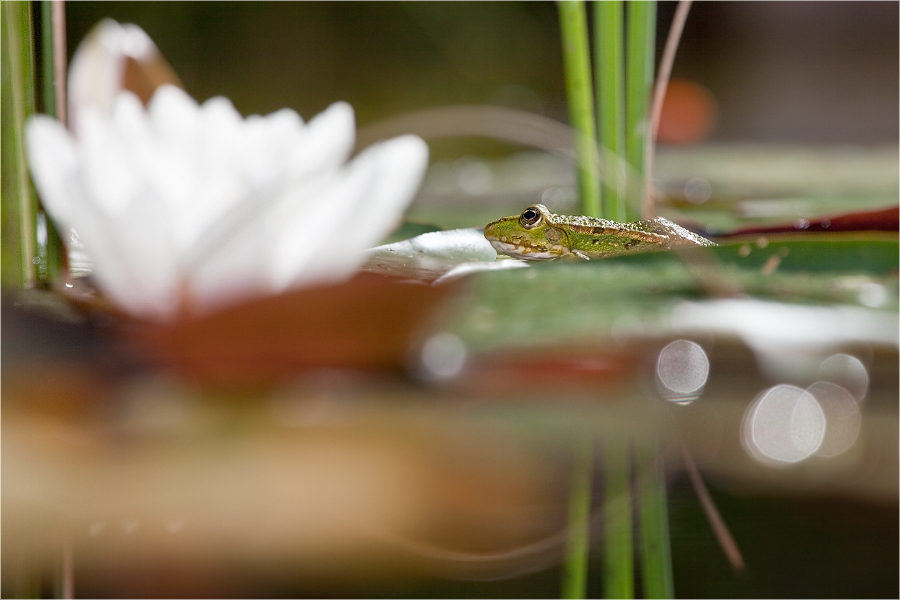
(577, 65)
(48, 79)
(641, 42)
(659, 96)
(575, 568)
(609, 78)
(656, 556)
(720, 529)
(19, 205)
(618, 570)
(53, 78)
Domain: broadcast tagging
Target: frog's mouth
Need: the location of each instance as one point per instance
(521, 251)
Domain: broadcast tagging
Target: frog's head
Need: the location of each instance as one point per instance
(531, 235)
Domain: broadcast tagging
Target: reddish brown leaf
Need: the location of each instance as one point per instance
(885, 219)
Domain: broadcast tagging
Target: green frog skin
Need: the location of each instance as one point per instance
(538, 234)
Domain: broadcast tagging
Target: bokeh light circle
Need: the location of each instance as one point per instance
(841, 415)
(848, 372)
(682, 369)
(784, 425)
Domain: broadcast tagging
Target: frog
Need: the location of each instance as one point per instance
(538, 234)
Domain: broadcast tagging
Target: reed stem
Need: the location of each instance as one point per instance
(641, 41)
(575, 568)
(577, 66)
(609, 77)
(656, 556)
(618, 571)
(19, 204)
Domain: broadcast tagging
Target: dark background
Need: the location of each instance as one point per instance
(792, 72)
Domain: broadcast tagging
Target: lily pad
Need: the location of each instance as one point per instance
(565, 304)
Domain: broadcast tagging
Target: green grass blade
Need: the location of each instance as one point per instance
(656, 556)
(577, 65)
(609, 78)
(575, 568)
(618, 570)
(641, 43)
(19, 205)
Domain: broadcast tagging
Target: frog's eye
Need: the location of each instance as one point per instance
(530, 218)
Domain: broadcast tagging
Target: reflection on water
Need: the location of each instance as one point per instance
(788, 339)
(681, 371)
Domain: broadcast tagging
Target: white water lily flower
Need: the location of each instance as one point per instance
(181, 205)
(110, 55)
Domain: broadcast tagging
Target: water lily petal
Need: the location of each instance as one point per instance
(400, 164)
(95, 76)
(100, 65)
(329, 139)
(135, 258)
(245, 259)
(54, 164)
(363, 205)
(312, 245)
(174, 116)
(110, 174)
(135, 270)
(268, 142)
